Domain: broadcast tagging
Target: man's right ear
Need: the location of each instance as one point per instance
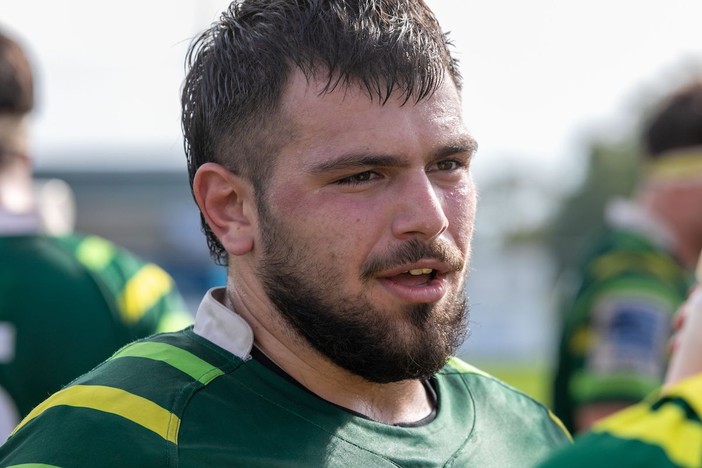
(227, 202)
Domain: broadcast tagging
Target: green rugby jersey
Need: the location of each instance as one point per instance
(664, 433)
(178, 399)
(68, 303)
(616, 327)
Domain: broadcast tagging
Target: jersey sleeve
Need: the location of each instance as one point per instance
(144, 297)
(663, 432)
(66, 304)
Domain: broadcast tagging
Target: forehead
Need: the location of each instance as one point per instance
(348, 119)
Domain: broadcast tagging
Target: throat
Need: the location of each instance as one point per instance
(419, 412)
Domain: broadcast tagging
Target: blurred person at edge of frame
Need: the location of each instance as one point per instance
(664, 430)
(67, 301)
(637, 273)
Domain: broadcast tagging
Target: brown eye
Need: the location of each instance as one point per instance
(358, 178)
(448, 165)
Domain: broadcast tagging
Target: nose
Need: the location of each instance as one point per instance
(419, 211)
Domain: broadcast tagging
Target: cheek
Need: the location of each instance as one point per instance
(461, 209)
(330, 224)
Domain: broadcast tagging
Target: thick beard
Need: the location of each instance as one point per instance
(375, 344)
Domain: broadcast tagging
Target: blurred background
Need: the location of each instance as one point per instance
(554, 92)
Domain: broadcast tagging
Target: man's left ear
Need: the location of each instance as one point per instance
(227, 203)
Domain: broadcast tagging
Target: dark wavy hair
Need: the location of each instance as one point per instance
(16, 88)
(677, 121)
(16, 82)
(237, 70)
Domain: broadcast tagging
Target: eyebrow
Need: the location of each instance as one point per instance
(356, 160)
(466, 145)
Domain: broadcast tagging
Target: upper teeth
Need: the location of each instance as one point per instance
(420, 271)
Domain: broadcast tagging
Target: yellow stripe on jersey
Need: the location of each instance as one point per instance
(581, 340)
(143, 291)
(689, 389)
(113, 400)
(465, 368)
(666, 427)
(617, 262)
(560, 424)
(95, 253)
(197, 368)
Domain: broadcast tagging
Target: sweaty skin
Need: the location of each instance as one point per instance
(359, 174)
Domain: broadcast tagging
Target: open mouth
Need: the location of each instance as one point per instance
(416, 277)
(422, 272)
(417, 285)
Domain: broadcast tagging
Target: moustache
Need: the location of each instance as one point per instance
(413, 251)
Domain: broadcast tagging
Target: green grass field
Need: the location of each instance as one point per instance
(534, 380)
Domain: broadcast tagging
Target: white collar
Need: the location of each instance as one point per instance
(626, 214)
(15, 224)
(222, 326)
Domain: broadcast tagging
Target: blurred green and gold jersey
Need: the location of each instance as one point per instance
(614, 340)
(178, 399)
(665, 432)
(68, 303)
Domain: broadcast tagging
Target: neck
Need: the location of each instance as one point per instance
(392, 403)
(16, 187)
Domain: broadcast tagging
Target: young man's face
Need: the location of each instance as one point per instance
(366, 228)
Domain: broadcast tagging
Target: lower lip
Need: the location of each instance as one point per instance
(430, 292)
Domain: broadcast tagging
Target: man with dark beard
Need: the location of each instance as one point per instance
(331, 165)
